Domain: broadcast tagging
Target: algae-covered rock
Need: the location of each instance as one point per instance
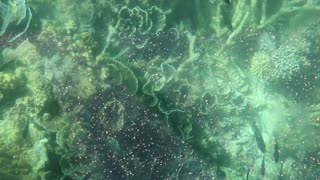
(85, 87)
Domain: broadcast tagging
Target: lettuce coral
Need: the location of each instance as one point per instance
(140, 33)
(125, 75)
(14, 12)
(136, 24)
(156, 79)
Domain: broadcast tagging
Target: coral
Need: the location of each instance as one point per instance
(232, 20)
(260, 65)
(5, 17)
(28, 117)
(23, 152)
(37, 157)
(11, 82)
(136, 24)
(144, 89)
(85, 86)
(25, 54)
(67, 40)
(14, 12)
(13, 164)
(267, 42)
(117, 136)
(156, 79)
(310, 37)
(125, 76)
(285, 62)
(140, 34)
(280, 66)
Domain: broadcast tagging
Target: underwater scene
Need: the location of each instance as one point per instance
(159, 89)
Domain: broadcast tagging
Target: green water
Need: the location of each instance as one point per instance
(155, 90)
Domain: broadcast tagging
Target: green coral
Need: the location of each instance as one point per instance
(14, 12)
(260, 65)
(135, 29)
(286, 62)
(24, 139)
(10, 83)
(136, 24)
(121, 74)
(156, 79)
(280, 66)
(30, 113)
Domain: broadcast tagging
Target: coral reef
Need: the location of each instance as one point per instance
(134, 148)
(150, 89)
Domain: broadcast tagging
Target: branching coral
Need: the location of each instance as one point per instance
(232, 20)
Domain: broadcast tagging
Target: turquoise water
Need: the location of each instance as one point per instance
(146, 89)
